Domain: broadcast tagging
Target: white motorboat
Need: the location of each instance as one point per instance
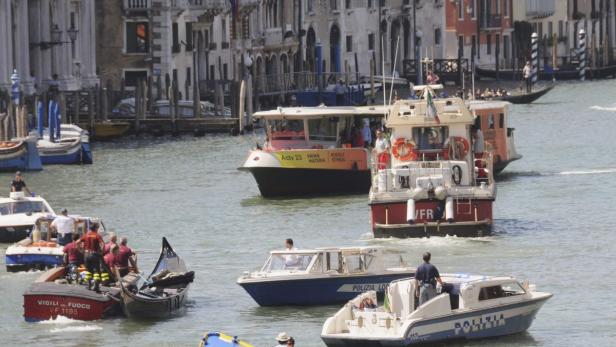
(41, 250)
(320, 276)
(19, 213)
(469, 307)
(73, 146)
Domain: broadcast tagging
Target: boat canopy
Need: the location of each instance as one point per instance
(415, 113)
(298, 113)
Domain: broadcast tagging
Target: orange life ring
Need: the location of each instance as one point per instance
(404, 150)
(458, 141)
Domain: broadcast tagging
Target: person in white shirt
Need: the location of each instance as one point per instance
(527, 71)
(63, 225)
(478, 143)
(381, 148)
(290, 260)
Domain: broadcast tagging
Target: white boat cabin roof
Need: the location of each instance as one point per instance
(343, 250)
(415, 113)
(487, 104)
(321, 112)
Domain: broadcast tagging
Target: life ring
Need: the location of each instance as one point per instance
(404, 150)
(456, 174)
(461, 144)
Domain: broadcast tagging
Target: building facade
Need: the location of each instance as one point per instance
(48, 42)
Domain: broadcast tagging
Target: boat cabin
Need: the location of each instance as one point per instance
(332, 261)
(19, 203)
(317, 127)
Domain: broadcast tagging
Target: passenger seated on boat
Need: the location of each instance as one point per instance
(367, 305)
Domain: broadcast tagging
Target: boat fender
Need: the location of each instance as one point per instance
(410, 211)
(449, 209)
(417, 193)
(382, 180)
(456, 174)
(440, 193)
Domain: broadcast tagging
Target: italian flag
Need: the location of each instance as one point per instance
(431, 108)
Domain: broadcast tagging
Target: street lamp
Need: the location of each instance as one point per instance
(56, 37)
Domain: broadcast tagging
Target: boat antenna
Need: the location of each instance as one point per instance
(383, 72)
(393, 69)
(472, 77)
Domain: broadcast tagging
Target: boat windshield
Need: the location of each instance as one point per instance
(22, 207)
(430, 138)
(285, 262)
(285, 129)
(323, 129)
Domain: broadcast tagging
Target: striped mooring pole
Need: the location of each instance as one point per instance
(15, 84)
(582, 54)
(534, 57)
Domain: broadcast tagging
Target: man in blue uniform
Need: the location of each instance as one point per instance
(426, 277)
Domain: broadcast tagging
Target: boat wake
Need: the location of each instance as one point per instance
(67, 325)
(603, 108)
(514, 174)
(80, 328)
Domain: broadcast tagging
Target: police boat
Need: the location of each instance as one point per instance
(468, 307)
(320, 276)
(19, 213)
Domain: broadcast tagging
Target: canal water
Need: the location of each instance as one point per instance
(554, 224)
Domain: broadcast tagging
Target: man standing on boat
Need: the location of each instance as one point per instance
(527, 71)
(19, 184)
(426, 277)
(381, 148)
(124, 257)
(340, 93)
(93, 244)
(63, 225)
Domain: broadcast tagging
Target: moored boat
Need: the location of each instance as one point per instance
(320, 276)
(163, 293)
(526, 98)
(435, 183)
(72, 147)
(108, 130)
(19, 213)
(20, 154)
(469, 307)
(51, 295)
(309, 151)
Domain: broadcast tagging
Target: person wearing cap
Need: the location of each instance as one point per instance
(282, 339)
(64, 226)
(18, 184)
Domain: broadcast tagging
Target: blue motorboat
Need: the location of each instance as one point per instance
(320, 276)
(222, 340)
(469, 307)
(40, 249)
(20, 154)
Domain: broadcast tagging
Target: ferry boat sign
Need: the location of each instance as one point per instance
(341, 159)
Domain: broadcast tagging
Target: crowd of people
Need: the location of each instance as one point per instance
(489, 93)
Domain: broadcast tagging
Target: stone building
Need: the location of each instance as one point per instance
(49, 42)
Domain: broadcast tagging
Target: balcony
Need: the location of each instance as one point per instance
(273, 37)
(493, 21)
(540, 8)
(197, 8)
(136, 5)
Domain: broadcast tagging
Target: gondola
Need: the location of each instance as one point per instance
(527, 98)
(164, 292)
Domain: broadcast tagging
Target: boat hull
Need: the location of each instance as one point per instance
(276, 182)
(109, 131)
(24, 262)
(12, 234)
(80, 154)
(48, 300)
(479, 324)
(320, 291)
(153, 308)
(24, 156)
(472, 218)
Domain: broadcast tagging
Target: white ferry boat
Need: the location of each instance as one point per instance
(19, 213)
(469, 307)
